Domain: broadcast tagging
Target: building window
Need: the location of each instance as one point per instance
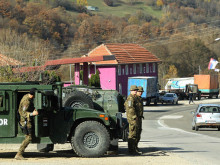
(120, 88)
(130, 70)
(119, 70)
(141, 69)
(154, 67)
(123, 71)
(126, 69)
(147, 68)
(89, 75)
(134, 68)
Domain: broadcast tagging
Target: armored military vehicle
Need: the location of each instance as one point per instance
(87, 118)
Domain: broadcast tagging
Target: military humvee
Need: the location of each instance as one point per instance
(87, 118)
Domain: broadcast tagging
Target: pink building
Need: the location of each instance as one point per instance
(130, 60)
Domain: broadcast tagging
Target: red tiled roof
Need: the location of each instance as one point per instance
(62, 62)
(29, 69)
(4, 61)
(124, 53)
(77, 60)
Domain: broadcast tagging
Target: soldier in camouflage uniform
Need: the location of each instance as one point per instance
(140, 111)
(132, 117)
(26, 111)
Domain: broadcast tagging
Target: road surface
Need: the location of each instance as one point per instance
(169, 128)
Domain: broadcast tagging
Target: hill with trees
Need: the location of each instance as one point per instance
(180, 33)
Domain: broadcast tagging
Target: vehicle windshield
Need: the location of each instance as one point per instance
(168, 95)
(210, 109)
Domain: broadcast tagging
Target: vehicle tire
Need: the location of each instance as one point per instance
(78, 99)
(216, 96)
(176, 101)
(155, 102)
(193, 128)
(90, 139)
(173, 102)
(218, 128)
(45, 147)
(199, 96)
(196, 128)
(162, 102)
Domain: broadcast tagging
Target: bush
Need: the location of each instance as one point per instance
(95, 79)
(109, 2)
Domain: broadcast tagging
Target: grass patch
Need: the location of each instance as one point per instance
(121, 9)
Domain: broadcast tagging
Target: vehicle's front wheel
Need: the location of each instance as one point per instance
(193, 128)
(90, 139)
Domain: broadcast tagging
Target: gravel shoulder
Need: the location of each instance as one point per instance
(64, 155)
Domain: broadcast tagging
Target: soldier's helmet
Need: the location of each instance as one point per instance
(140, 89)
(133, 88)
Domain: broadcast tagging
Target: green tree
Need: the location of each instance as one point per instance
(95, 79)
(7, 75)
(50, 77)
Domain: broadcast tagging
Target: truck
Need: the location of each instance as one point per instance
(182, 86)
(178, 83)
(208, 85)
(149, 85)
(200, 85)
(89, 130)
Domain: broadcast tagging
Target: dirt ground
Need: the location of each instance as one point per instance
(63, 154)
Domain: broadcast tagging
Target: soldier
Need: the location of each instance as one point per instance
(26, 111)
(132, 117)
(140, 114)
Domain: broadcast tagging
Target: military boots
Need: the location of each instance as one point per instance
(19, 156)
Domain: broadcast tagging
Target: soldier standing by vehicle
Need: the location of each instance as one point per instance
(140, 114)
(26, 111)
(132, 117)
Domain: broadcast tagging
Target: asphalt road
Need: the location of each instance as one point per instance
(169, 128)
(180, 116)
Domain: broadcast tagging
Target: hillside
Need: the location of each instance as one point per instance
(122, 9)
(180, 33)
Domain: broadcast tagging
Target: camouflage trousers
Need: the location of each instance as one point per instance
(134, 135)
(27, 140)
(25, 143)
(139, 130)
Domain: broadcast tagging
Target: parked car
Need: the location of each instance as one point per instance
(206, 116)
(169, 98)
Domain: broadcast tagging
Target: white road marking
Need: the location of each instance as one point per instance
(171, 117)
